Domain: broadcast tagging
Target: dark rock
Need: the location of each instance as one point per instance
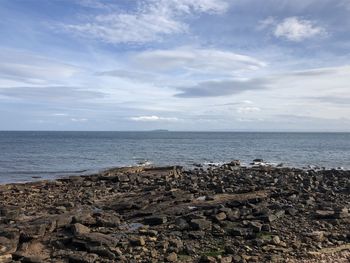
(200, 224)
(137, 241)
(155, 220)
(181, 224)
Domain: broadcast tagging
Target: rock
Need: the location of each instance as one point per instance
(318, 236)
(172, 257)
(325, 214)
(226, 259)
(63, 220)
(101, 251)
(123, 178)
(97, 239)
(207, 259)
(107, 220)
(238, 231)
(9, 239)
(342, 213)
(276, 240)
(5, 258)
(82, 257)
(155, 220)
(200, 224)
(255, 226)
(33, 230)
(220, 216)
(181, 224)
(137, 241)
(79, 229)
(84, 217)
(10, 212)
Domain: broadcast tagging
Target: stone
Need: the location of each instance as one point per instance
(155, 220)
(33, 231)
(255, 226)
(123, 178)
(207, 259)
(82, 257)
(325, 214)
(172, 257)
(5, 258)
(276, 240)
(97, 239)
(181, 224)
(200, 224)
(79, 229)
(10, 212)
(84, 217)
(226, 259)
(101, 251)
(220, 216)
(107, 220)
(137, 241)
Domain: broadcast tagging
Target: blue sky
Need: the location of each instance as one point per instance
(273, 65)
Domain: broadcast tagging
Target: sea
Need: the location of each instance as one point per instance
(35, 155)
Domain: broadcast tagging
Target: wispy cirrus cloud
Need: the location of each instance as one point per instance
(151, 22)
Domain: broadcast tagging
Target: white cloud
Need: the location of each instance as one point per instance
(153, 118)
(245, 110)
(197, 60)
(152, 21)
(79, 120)
(295, 29)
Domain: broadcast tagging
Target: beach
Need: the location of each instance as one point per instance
(226, 213)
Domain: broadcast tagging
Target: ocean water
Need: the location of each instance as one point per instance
(48, 155)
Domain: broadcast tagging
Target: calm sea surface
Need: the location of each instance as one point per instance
(54, 154)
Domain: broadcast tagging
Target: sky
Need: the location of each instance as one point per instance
(188, 65)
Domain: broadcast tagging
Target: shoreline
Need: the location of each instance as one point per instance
(227, 213)
(204, 165)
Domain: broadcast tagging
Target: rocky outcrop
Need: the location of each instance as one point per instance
(166, 214)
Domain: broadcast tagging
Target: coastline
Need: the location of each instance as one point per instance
(227, 213)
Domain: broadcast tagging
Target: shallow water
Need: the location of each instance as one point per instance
(55, 154)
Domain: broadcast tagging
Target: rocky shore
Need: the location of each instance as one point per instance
(167, 214)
